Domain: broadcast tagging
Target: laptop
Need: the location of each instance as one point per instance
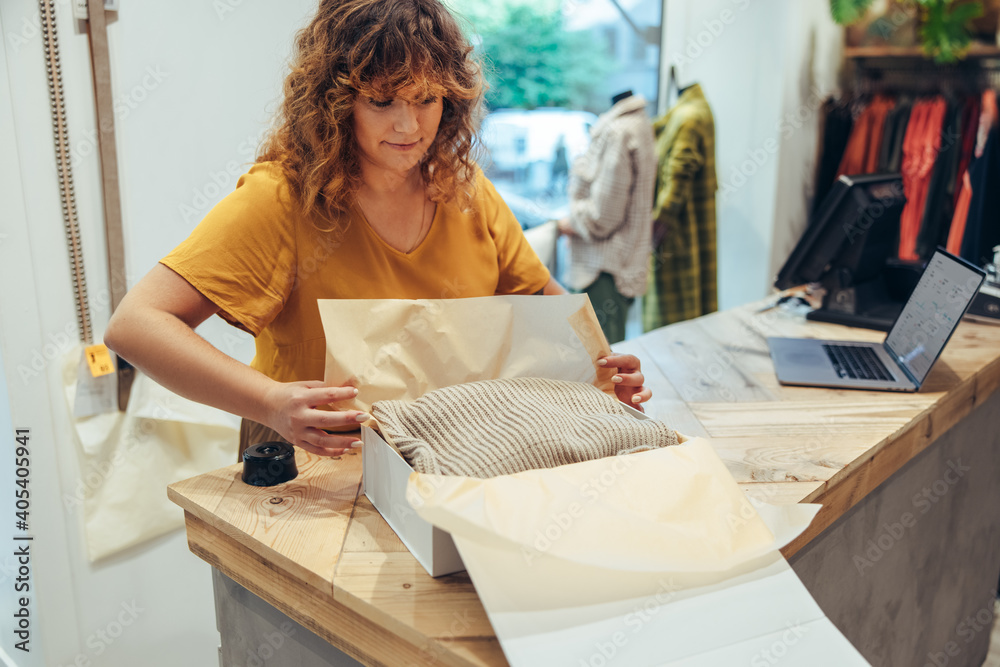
(900, 362)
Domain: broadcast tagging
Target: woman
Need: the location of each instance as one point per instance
(365, 189)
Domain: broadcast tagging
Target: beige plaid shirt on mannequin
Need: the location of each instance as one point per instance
(611, 200)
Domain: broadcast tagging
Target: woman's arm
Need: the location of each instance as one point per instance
(153, 328)
(552, 287)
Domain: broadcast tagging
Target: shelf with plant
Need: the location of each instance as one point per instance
(943, 27)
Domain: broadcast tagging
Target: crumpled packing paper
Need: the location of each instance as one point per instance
(651, 558)
(563, 557)
(400, 349)
(126, 460)
(634, 518)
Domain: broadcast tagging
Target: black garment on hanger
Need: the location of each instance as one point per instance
(939, 207)
(982, 228)
(890, 158)
(837, 125)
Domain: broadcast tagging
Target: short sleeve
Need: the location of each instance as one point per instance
(242, 254)
(521, 271)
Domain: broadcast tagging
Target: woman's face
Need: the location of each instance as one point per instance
(393, 134)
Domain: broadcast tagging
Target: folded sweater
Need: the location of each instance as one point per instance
(499, 427)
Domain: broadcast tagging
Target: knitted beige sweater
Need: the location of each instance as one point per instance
(498, 427)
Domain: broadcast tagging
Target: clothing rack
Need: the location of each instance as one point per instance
(902, 113)
(917, 75)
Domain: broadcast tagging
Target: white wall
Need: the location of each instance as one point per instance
(756, 61)
(30, 398)
(813, 52)
(194, 84)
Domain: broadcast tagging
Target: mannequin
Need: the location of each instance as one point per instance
(609, 225)
(624, 95)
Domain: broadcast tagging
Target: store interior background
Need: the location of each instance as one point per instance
(198, 82)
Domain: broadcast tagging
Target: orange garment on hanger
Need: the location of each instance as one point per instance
(921, 147)
(961, 215)
(861, 153)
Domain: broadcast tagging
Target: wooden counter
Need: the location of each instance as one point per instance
(317, 551)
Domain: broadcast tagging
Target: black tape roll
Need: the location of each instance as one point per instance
(269, 464)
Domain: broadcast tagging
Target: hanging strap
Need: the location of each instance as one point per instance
(100, 61)
(64, 167)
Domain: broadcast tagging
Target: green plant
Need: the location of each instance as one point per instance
(944, 29)
(846, 12)
(533, 60)
(943, 23)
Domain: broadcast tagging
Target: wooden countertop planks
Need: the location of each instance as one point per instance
(325, 557)
(321, 553)
(666, 404)
(300, 526)
(378, 578)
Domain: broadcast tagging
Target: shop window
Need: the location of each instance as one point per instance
(611, 39)
(638, 48)
(550, 77)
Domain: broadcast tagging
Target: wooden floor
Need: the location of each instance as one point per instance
(993, 659)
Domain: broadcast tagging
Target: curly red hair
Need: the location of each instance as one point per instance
(374, 48)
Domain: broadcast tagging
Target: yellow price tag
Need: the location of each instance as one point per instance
(99, 360)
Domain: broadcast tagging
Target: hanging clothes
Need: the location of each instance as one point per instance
(920, 150)
(982, 227)
(957, 229)
(862, 152)
(934, 143)
(987, 119)
(682, 276)
(890, 158)
(837, 124)
(941, 190)
(970, 131)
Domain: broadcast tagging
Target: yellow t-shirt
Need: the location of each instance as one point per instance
(265, 265)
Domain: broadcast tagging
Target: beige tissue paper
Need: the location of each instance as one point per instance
(400, 349)
(673, 511)
(654, 558)
(651, 558)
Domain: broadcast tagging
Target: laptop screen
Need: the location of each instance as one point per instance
(945, 289)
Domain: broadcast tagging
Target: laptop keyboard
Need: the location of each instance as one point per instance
(859, 363)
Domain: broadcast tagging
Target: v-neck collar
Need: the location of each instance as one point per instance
(371, 231)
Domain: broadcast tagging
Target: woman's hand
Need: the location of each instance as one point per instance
(153, 328)
(295, 415)
(565, 227)
(628, 380)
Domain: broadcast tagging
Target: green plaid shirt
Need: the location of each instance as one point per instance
(682, 276)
